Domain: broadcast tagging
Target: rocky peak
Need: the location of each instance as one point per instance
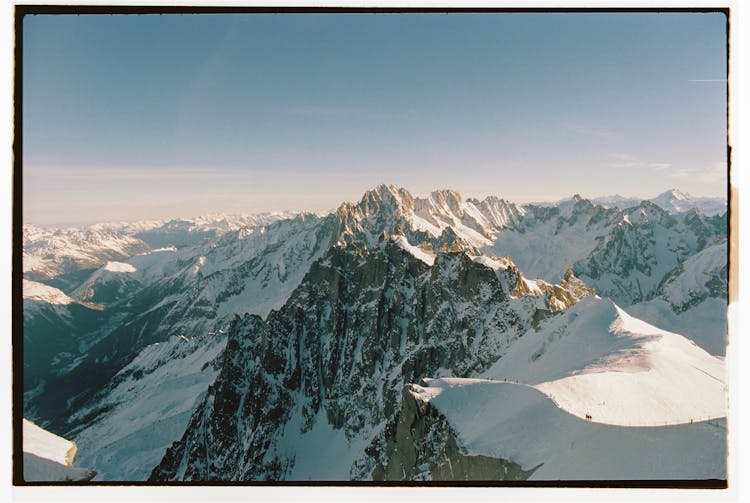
(570, 291)
(336, 356)
(556, 296)
(447, 198)
(649, 212)
(387, 198)
(676, 194)
(672, 197)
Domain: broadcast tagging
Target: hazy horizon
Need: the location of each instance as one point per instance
(330, 208)
(149, 117)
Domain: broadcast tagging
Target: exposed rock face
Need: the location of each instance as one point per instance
(360, 326)
(425, 447)
(702, 276)
(634, 256)
(568, 292)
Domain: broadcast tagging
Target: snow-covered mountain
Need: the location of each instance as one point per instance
(108, 284)
(616, 201)
(52, 252)
(184, 232)
(40, 294)
(692, 298)
(325, 371)
(146, 406)
(623, 254)
(673, 201)
(631, 259)
(356, 303)
(157, 294)
(549, 410)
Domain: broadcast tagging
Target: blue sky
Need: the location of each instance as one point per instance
(132, 117)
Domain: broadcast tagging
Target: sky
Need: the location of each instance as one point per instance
(160, 116)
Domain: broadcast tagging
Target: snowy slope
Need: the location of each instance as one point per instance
(593, 393)
(47, 445)
(148, 406)
(43, 295)
(596, 359)
(549, 240)
(425, 256)
(111, 282)
(49, 457)
(520, 424)
(704, 323)
(39, 291)
(692, 299)
(695, 279)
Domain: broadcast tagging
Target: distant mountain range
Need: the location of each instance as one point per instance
(292, 346)
(673, 200)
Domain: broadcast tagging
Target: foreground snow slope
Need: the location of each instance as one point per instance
(48, 457)
(47, 445)
(520, 424)
(595, 359)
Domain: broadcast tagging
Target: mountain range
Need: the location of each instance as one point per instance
(249, 348)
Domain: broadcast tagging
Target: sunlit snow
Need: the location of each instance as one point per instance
(45, 293)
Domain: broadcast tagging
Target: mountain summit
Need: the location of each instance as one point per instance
(211, 351)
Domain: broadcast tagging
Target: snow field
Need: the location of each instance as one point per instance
(520, 424)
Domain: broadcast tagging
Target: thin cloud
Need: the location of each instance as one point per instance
(625, 160)
(631, 161)
(660, 165)
(707, 80)
(714, 173)
(717, 172)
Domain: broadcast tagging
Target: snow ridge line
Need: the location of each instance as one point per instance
(591, 419)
